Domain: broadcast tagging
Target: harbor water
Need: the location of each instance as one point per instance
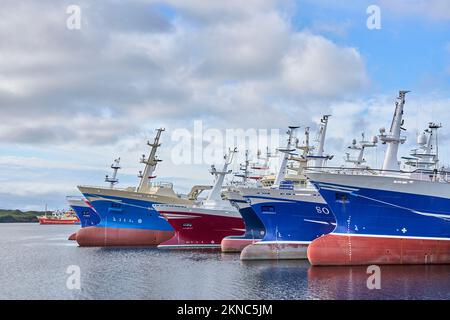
(37, 262)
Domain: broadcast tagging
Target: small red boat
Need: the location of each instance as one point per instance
(59, 217)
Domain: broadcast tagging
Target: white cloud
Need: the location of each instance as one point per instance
(214, 12)
(317, 66)
(177, 70)
(331, 27)
(88, 96)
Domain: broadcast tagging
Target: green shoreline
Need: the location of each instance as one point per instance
(10, 216)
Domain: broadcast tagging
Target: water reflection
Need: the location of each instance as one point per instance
(397, 282)
(271, 279)
(34, 266)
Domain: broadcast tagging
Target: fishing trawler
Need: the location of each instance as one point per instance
(59, 217)
(292, 211)
(85, 213)
(203, 225)
(254, 228)
(127, 215)
(84, 210)
(388, 216)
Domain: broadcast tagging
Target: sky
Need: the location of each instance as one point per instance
(74, 99)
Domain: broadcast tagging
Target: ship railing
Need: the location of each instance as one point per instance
(436, 175)
(161, 184)
(115, 188)
(392, 137)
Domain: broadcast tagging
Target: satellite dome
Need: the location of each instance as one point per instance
(422, 138)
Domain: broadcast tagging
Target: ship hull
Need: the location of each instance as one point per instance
(120, 237)
(338, 249)
(236, 244)
(201, 228)
(254, 229)
(125, 220)
(87, 215)
(72, 237)
(291, 223)
(44, 220)
(276, 250)
(383, 220)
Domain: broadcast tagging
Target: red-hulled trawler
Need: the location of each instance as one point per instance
(203, 225)
(59, 217)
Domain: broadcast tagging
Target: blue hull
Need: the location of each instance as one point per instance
(88, 217)
(292, 221)
(254, 228)
(387, 213)
(118, 212)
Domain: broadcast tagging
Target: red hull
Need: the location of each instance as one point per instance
(236, 244)
(115, 237)
(43, 220)
(200, 230)
(73, 237)
(340, 250)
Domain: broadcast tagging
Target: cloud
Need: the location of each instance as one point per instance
(132, 63)
(75, 99)
(330, 27)
(431, 9)
(317, 66)
(219, 12)
(242, 50)
(352, 118)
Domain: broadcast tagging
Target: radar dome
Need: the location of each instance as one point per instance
(422, 139)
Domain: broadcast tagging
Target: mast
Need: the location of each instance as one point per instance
(393, 138)
(306, 152)
(363, 144)
(426, 156)
(286, 151)
(150, 162)
(115, 166)
(434, 140)
(215, 194)
(244, 169)
(322, 133)
(265, 164)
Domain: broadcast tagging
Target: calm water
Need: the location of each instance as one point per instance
(34, 260)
